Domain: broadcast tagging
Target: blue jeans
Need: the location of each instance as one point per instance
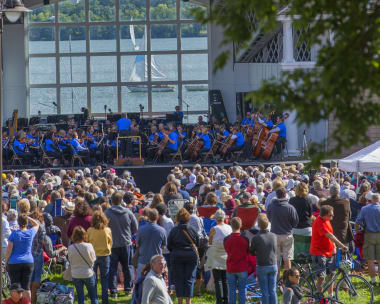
(267, 276)
(103, 262)
(37, 270)
(238, 279)
(124, 256)
(91, 288)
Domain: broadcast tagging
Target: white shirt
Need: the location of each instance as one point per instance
(6, 231)
(78, 263)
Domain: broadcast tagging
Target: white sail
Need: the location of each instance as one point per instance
(139, 70)
(156, 73)
(133, 39)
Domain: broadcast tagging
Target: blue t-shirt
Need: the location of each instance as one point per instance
(22, 246)
(123, 124)
(150, 238)
(173, 136)
(77, 146)
(49, 145)
(269, 124)
(206, 141)
(239, 139)
(370, 217)
(245, 121)
(282, 128)
(226, 134)
(160, 134)
(18, 147)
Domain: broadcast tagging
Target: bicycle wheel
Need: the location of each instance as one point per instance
(306, 287)
(352, 288)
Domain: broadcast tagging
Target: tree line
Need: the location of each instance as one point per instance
(104, 10)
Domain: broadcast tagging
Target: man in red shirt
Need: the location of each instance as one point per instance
(16, 295)
(322, 246)
(236, 247)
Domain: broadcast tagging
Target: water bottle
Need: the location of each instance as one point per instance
(338, 258)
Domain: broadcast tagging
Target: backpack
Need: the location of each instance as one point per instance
(54, 293)
(138, 291)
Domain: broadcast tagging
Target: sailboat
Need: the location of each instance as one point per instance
(140, 69)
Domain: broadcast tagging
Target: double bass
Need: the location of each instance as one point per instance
(262, 134)
(271, 141)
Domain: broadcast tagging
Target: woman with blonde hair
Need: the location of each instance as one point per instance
(304, 207)
(100, 236)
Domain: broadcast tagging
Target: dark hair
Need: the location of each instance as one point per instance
(325, 209)
(281, 193)
(82, 208)
(117, 198)
(289, 272)
(161, 208)
(189, 207)
(22, 220)
(79, 235)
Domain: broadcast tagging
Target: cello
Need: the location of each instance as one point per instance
(271, 141)
(163, 145)
(262, 134)
(228, 144)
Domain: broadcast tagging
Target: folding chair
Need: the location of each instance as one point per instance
(207, 212)
(178, 154)
(209, 153)
(76, 157)
(248, 217)
(15, 158)
(45, 157)
(208, 224)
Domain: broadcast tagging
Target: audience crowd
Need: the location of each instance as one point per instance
(208, 227)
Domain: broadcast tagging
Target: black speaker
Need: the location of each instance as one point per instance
(216, 103)
(135, 116)
(52, 119)
(22, 123)
(34, 120)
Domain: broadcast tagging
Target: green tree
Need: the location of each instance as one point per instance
(346, 80)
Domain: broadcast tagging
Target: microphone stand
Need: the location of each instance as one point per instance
(187, 110)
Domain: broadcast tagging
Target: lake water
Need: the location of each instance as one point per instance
(103, 69)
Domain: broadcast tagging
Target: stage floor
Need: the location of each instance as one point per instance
(151, 177)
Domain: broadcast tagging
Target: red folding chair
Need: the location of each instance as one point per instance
(248, 217)
(207, 212)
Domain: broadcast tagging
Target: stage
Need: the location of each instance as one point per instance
(153, 177)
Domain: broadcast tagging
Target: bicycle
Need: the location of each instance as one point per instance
(253, 293)
(6, 281)
(349, 287)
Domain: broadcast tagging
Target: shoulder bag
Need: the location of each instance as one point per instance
(193, 244)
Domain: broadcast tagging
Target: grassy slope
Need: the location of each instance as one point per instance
(207, 298)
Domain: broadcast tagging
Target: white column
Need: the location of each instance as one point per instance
(292, 134)
(287, 30)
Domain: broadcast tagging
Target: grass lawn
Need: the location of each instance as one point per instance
(207, 298)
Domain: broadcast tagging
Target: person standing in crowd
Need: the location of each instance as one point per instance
(82, 216)
(283, 218)
(19, 259)
(217, 256)
(151, 239)
(292, 291)
(5, 231)
(237, 247)
(100, 236)
(82, 257)
(183, 243)
(154, 286)
(304, 207)
(62, 222)
(369, 218)
(322, 246)
(264, 247)
(123, 225)
(342, 215)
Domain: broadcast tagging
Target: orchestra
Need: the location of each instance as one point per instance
(257, 136)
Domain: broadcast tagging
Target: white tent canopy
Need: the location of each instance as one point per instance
(365, 160)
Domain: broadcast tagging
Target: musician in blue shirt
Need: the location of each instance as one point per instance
(78, 148)
(179, 114)
(51, 149)
(171, 140)
(154, 140)
(206, 142)
(21, 149)
(181, 136)
(110, 154)
(280, 128)
(93, 145)
(247, 119)
(238, 144)
(124, 128)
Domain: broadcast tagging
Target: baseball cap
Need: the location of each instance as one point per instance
(16, 286)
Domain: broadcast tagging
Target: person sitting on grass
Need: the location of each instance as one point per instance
(16, 295)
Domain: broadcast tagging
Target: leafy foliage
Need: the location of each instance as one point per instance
(345, 82)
